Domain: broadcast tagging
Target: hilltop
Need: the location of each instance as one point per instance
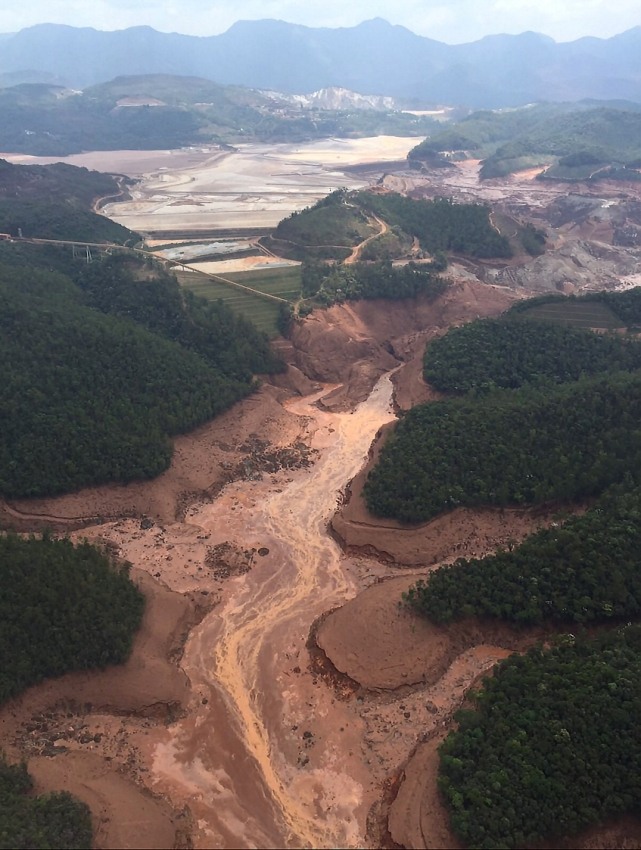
(588, 140)
(151, 111)
(57, 202)
(371, 58)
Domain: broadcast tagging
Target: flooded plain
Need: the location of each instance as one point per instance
(199, 190)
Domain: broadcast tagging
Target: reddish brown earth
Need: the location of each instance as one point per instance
(250, 736)
(201, 542)
(76, 729)
(354, 344)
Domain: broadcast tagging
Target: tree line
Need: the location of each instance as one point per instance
(338, 283)
(553, 745)
(102, 367)
(54, 821)
(511, 447)
(62, 608)
(440, 224)
(508, 353)
(585, 570)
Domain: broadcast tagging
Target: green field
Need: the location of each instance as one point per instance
(283, 282)
(580, 314)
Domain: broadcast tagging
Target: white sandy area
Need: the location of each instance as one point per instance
(350, 151)
(629, 281)
(131, 163)
(255, 186)
(241, 264)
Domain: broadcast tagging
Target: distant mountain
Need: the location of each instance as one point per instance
(373, 58)
(164, 111)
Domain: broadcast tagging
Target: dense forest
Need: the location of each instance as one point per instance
(587, 570)
(551, 413)
(510, 447)
(328, 285)
(50, 821)
(440, 225)
(56, 182)
(54, 202)
(103, 364)
(553, 745)
(508, 353)
(327, 230)
(62, 608)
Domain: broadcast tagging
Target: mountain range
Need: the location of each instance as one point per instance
(373, 58)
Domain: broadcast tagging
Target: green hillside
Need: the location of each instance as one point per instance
(160, 364)
(148, 112)
(511, 447)
(339, 222)
(553, 746)
(55, 202)
(580, 141)
(586, 571)
(510, 351)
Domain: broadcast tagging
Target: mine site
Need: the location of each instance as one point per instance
(278, 693)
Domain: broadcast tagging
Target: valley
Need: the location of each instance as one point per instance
(278, 694)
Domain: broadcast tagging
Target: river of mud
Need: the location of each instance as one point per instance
(260, 756)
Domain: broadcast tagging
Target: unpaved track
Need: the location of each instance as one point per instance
(358, 249)
(233, 758)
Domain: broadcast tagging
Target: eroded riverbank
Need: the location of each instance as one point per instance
(265, 755)
(261, 751)
(242, 653)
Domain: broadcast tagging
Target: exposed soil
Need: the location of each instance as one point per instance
(246, 735)
(353, 344)
(82, 732)
(203, 462)
(463, 532)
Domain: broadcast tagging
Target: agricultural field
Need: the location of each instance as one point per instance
(580, 314)
(282, 282)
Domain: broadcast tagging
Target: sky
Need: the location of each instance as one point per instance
(452, 21)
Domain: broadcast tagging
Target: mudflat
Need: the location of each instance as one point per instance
(254, 186)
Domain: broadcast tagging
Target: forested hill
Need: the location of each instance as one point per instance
(553, 746)
(332, 227)
(62, 608)
(151, 111)
(103, 364)
(538, 341)
(55, 202)
(585, 571)
(580, 141)
(512, 351)
(510, 447)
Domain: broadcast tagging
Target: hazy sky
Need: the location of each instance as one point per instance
(453, 21)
